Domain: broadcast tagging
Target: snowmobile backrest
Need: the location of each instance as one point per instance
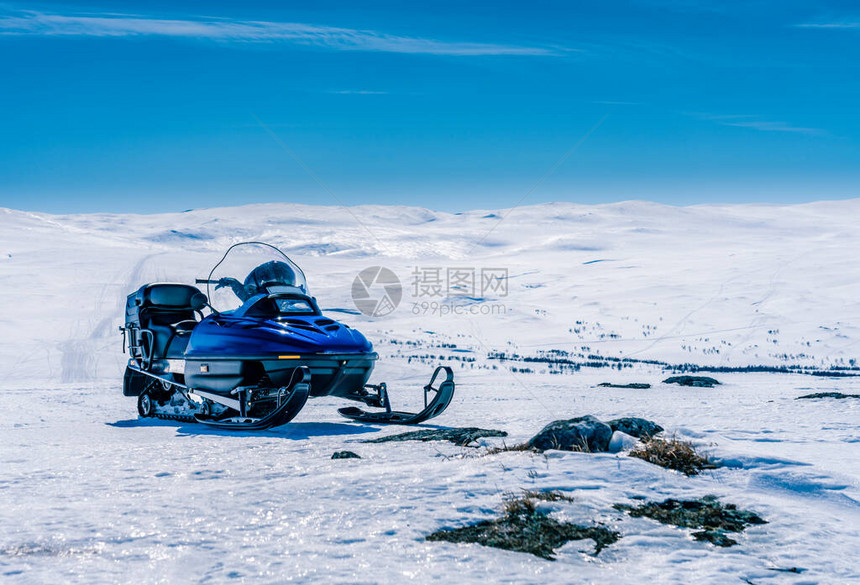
(162, 299)
(170, 296)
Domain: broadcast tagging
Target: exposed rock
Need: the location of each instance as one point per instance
(797, 570)
(460, 437)
(634, 385)
(621, 441)
(706, 513)
(345, 455)
(640, 428)
(584, 433)
(697, 381)
(838, 395)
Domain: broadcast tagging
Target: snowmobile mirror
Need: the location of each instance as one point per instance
(199, 301)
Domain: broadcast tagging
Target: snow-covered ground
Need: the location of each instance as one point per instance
(90, 494)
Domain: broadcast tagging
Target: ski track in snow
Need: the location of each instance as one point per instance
(90, 494)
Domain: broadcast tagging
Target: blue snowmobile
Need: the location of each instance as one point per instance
(263, 349)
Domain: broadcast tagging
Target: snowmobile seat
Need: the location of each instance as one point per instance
(166, 310)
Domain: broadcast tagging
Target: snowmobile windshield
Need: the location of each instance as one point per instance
(249, 269)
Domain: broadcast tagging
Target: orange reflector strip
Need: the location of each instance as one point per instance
(288, 357)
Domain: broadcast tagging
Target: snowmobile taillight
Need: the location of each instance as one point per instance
(289, 357)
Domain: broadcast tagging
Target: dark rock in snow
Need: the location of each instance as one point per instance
(634, 385)
(838, 395)
(345, 455)
(460, 437)
(697, 381)
(797, 570)
(584, 433)
(635, 427)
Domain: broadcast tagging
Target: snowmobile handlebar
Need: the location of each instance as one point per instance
(227, 281)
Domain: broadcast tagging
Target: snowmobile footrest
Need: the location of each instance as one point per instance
(287, 411)
(433, 408)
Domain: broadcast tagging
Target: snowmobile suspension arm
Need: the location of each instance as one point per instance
(223, 400)
(156, 376)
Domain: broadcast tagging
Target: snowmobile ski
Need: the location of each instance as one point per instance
(443, 396)
(282, 414)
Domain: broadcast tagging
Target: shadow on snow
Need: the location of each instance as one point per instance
(295, 431)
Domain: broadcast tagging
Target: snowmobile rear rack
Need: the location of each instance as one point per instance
(432, 408)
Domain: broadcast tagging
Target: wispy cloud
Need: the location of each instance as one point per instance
(615, 103)
(753, 122)
(776, 127)
(831, 25)
(686, 6)
(356, 92)
(334, 38)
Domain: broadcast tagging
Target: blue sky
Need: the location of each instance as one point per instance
(173, 105)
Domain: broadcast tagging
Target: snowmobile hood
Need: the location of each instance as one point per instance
(226, 335)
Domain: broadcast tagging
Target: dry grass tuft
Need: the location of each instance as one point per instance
(546, 496)
(508, 448)
(673, 454)
(580, 447)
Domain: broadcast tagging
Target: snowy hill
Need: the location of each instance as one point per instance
(717, 285)
(92, 494)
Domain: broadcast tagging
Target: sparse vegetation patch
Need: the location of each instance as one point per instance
(510, 448)
(695, 381)
(634, 385)
(837, 395)
(673, 454)
(462, 437)
(545, 496)
(525, 528)
(707, 513)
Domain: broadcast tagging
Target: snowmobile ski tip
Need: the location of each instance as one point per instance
(433, 408)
